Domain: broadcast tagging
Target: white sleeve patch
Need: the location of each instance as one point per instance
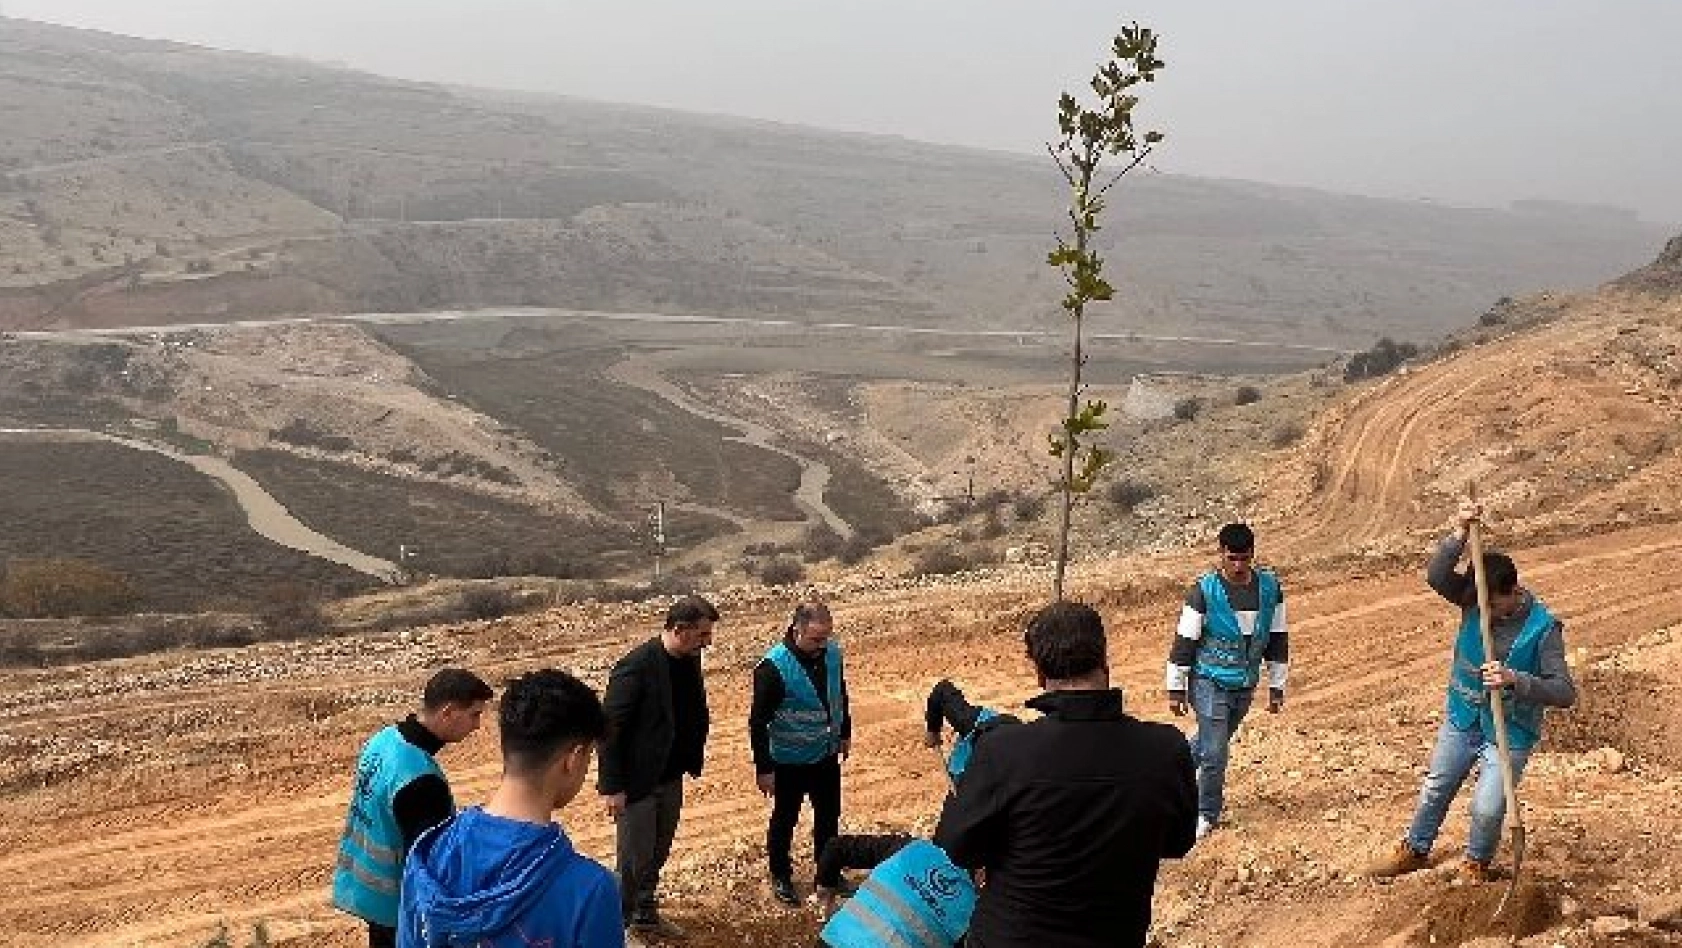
(1277, 673)
(1278, 620)
(1191, 623)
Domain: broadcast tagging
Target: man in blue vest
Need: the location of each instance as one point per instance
(1232, 621)
(800, 731)
(916, 897)
(400, 793)
(506, 875)
(1528, 664)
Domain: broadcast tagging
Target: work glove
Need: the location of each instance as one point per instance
(1275, 700)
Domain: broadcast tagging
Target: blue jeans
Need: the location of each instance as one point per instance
(1219, 712)
(1451, 762)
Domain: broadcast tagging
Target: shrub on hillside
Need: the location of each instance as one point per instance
(1382, 359)
(59, 587)
(1127, 493)
(854, 549)
(1187, 409)
(939, 561)
(781, 571)
(1246, 395)
(291, 610)
(1286, 434)
(820, 543)
(488, 602)
(1029, 506)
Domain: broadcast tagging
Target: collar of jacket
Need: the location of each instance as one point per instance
(1102, 705)
(417, 734)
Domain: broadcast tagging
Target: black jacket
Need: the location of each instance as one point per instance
(1069, 816)
(641, 723)
(423, 802)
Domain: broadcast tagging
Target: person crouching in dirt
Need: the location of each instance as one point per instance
(948, 706)
(1233, 619)
(1529, 663)
(914, 896)
(400, 793)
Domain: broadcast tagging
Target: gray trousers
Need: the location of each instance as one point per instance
(644, 841)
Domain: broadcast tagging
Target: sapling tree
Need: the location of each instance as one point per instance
(1099, 146)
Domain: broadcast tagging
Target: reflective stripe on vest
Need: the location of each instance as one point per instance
(915, 899)
(1226, 656)
(370, 864)
(1468, 700)
(964, 748)
(803, 731)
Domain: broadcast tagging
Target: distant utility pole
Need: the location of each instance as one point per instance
(657, 529)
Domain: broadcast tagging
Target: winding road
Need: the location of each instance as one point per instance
(814, 475)
(266, 515)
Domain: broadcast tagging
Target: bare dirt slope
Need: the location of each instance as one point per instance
(146, 802)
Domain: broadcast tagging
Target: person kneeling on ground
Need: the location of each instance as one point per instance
(505, 874)
(948, 706)
(916, 897)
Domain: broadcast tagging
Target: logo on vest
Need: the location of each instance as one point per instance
(936, 888)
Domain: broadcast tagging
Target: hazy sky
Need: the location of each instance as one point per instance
(1464, 101)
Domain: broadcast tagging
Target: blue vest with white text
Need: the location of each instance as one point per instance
(1468, 700)
(917, 898)
(370, 866)
(803, 731)
(1227, 656)
(961, 751)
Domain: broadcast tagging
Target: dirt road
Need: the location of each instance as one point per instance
(267, 516)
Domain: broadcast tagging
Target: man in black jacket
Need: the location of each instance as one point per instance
(657, 716)
(800, 731)
(1068, 816)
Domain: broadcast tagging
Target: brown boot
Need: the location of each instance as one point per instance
(1399, 862)
(1473, 872)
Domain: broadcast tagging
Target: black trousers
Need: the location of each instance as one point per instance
(795, 783)
(644, 843)
(380, 936)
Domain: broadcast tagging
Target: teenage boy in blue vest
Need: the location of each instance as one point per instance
(1528, 665)
(400, 793)
(505, 875)
(1233, 620)
(800, 731)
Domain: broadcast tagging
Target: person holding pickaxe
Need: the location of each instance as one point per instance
(1521, 673)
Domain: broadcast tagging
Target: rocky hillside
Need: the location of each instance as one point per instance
(146, 182)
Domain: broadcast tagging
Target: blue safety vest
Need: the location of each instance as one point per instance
(965, 747)
(803, 731)
(1227, 656)
(917, 898)
(1468, 700)
(365, 881)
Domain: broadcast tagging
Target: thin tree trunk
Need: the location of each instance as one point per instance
(1068, 435)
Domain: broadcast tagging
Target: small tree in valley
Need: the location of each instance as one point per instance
(1091, 136)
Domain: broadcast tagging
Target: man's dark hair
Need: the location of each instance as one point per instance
(454, 686)
(544, 713)
(1066, 640)
(1237, 537)
(690, 610)
(1500, 572)
(809, 611)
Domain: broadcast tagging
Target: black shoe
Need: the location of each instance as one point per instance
(782, 887)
